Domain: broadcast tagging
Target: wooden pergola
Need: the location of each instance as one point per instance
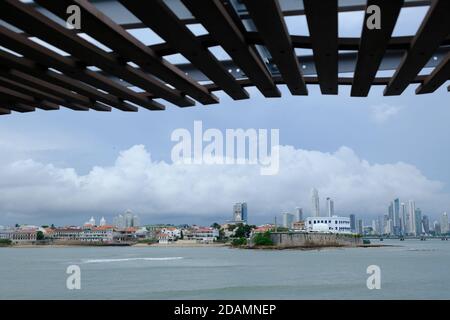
(65, 68)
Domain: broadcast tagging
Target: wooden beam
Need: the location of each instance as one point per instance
(438, 77)
(102, 28)
(23, 66)
(301, 42)
(432, 32)
(50, 59)
(58, 94)
(21, 102)
(373, 45)
(322, 19)
(87, 54)
(267, 16)
(157, 16)
(215, 18)
(7, 83)
(47, 93)
(4, 111)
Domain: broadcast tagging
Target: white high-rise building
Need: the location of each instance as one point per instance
(128, 219)
(240, 212)
(298, 214)
(288, 220)
(375, 227)
(444, 223)
(403, 218)
(315, 202)
(412, 217)
(330, 207)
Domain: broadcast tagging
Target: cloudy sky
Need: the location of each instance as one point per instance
(63, 167)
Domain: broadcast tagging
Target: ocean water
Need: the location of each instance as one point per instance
(412, 269)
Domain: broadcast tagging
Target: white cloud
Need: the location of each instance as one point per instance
(148, 187)
(381, 113)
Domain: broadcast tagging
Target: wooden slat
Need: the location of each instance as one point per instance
(4, 111)
(58, 94)
(267, 16)
(26, 18)
(47, 91)
(20, 107)
(373, 45)
(65, 96)
(322, 19)
(7, 83)
(215, 18)
(437, 78)
(21, 102)
(346, 81)
(102, 28)
(433, 31)
(51, 59)
(301, 42)
(156, 15)
(28, 67)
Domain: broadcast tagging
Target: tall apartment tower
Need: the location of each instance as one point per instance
(418, 217)
(298, 215)
(315, 202)
(353, 223)
(412, 217)
(403, 217)
(288, 220)
(240, 213)
(444, 223)
(330, 207)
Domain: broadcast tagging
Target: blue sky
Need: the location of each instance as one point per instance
(360, 132)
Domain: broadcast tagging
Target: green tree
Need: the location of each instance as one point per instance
(40, 235)
(221, 234)
(215, 225)
(239, 242)
(262, 239)
(5, 242)
(243, 231)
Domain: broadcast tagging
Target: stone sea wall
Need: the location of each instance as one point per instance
(311, 240)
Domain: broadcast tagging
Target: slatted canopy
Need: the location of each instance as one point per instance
(47, 64)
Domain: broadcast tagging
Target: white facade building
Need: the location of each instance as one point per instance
(333, 224)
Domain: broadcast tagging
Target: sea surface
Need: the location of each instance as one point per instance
(412, 269)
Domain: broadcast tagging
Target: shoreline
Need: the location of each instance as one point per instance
(313, 247)
(198, 245)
